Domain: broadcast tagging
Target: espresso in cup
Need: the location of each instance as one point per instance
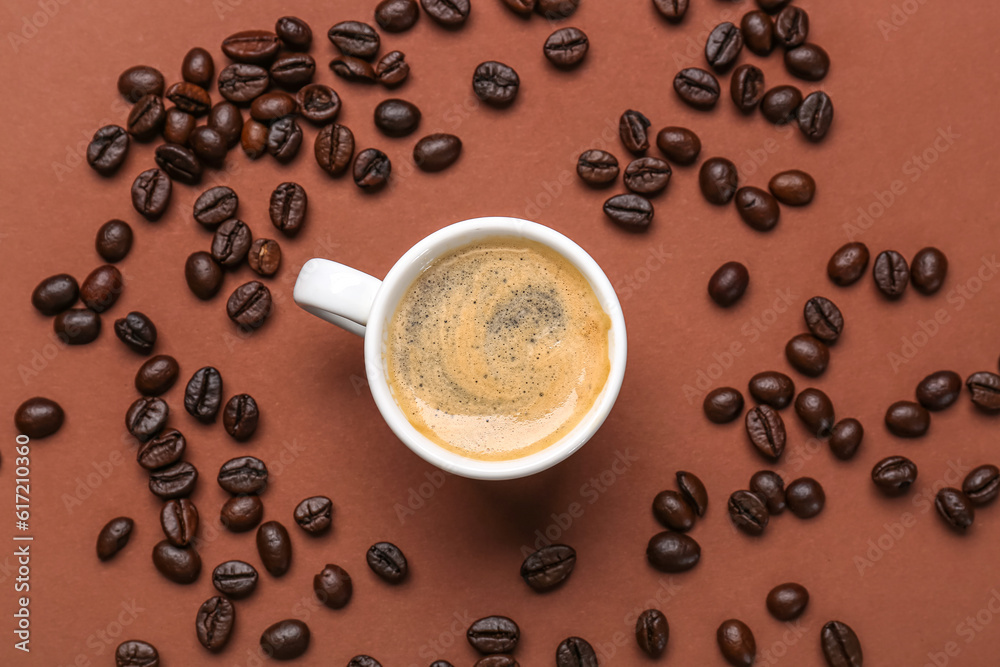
(498, 349)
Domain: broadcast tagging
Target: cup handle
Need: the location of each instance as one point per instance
(336, 293)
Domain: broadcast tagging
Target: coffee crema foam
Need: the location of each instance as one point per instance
(498, 349)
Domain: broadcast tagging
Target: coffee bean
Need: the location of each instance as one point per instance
(723, 46)
(696, 87)
(108, 149)
(372, 169)
(758, 32)
(793, 187)
(392, 69)
(985, 390)
(179, 520)
(492, 82)
(787, 602)
(151, 193)
(982, 484)
(189, 98)
(772, 388)
(718, 180)
(314, 515)
(214, 623)
(757, 208)
(815, 114)
(647, 175)
(334, 149)
(780, 104)
(766, 430)
(808, 355)
(241, 83)
(566, 47)
(939, 390)
(493, 634)
(679, 144)
(180, 163)
(555, 10)
(285, 640)
(333, 587)
(165, 449)
(318, 103)
(284, 139)
(146, 118)
(264, 257)
(140, 80)
(723, 405)
(746, 87)
(693, 490)
(137, 332)
(673, 552)
(178, 126)
(597, 168)
(673, 511)
(848, 264)
(203, 394)
(241, 513)
(294, 32)
(77, 326)
(365, 661)
(736, 643)
(631, 212)
(181, 565)
(55, 294)
(231, 243)
(652, 632)
(396, 118)
(146, 417)
(198, 67)
(823, 319)
(893, 475)
(791, 27)
(288, 205)
(671, 10)
(257, 47)
(136, 653)
(113, 537)
(235, 579)
(841, 647)
(438, 151)
(815, 409)
(728, 283)
(353, 69)
(928, 270)
(174, 481)
(114, 240)
(243, 475)
(387, 561)
(548, 567)
(396, 15)
(240, 417)
(215, 205)
(891, 274)
(808, 61)
(274, 547)
(907, 419)
(354, 38)
(208, 145)
(748, 512)
(449, 13)
(846, 437)
(575, 652)
(203, 275)
(101, 288)
(770, 488)
(805, 497)
(293, 70)
(955, 508)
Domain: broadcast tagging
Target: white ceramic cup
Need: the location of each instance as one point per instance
(365, 305)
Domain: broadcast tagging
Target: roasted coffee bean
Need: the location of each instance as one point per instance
(746, 87)
(353, 69)
(203, 274)
(693, 491)
(240, 417)
(189, 98)
(647, 175)
(136, 653)
(808, 61)
(372, 169)
(787, 602)
(198, 67)
(772, 388)
(284, 139)
(631, 212)
(438, 151)
(114, 240)
(334, 149)
(365, 661)
(493, 634)
(718, 180)
(554, 10)
(597, 168)
(808, 355)
(815, 114)
(723, 405)
(241, 83)
(928, 270)
(728, 283)
(673, 552)
(815, 409)
(823, 319)
(55, 294)
(396, 15)
(679, 145)
(257, 47)
(77, 326)
(146, 417)
(652, 632)
(161, 451)
(766, 430)
(673, 511)
(770, 488)
(791, 27)
(214, 623)
(179, 520)
(314, 515)
(757, 208)
(805, 497)
(848, 264)
(274, 547)
(449, 13)
(493, 82)
(396, 118)
(736, 643)
(137, 332)
(758, 32)
(203, 394)
(181, 565)
(748, 512)
(235, 579)
(294, 32)
(575, 652)
(293, 70)
(672, 10)
(333, 586)
(723, 46)
(846, 437)
(955, 508)
(982, 484)
(180, 163)
(151, 193)
(939, 390)
(231, 243)
(264, 257)
(178, 126)
(101, 288)
(215, 205)
(696, 87)
(108, 149)
(285, 640)
(392, 69)
(287, 207)
(891, 274)
(241, 513)
(174, 481)
(907, 419)
(566, 47)
(387, 561)
(140, 80)
(208, 145)
(318, 103)
(354, 38)
(793, 187)
(893, 475)
(113, 537)
(548, 567)
(841, 647)
(243, 475)
(985, 390)
(146, 118)
(780, 104)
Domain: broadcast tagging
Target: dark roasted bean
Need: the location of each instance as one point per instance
(108, 149)
(841, 647)
(55, 294)
(652, 632)
(791, 26)
(181, 565)
(728, 284)
(137, 332)
(214, 623)
(772, 388)
(846, 437)
(274, 547)
(387, 561)
(353, 69)
(780, 104)
(146, 118)
(392, 69)
(240, 417)
(982, 484)
(815, 409)
(723, 405)
(215, 205)
(891, 274)
(175, 481)
(314, 515)
(757, 208)
(146, 417)
(939, 390)
(333, 587)
(231, 243)
(203, 394)
(679, 145)
(257, 47)
(179, 162)
(848, 264)
(241, 83)
(113, 537)
(284, 139)
(114, 240)
(179, 521)
(354, 38)
(208, 145)
(203, 274)
(718, 180)
(334, 149)
(437, 151)
(140, 80)
(787, 602)
(241, 513)
(493, 82)
(815, 115)
(746, 87)
(493, 634)
(397, 118)
(287, 207)
(189, 98)
(161, 451)
(566, 47)
(673, 511)
(723, 46)
(235, 578)
(748, 512)
(178, 126)
(136, 653)
(151, 193)
(808, 355)
(955, 508)
(770, 488)
(318, 103)
(101, 288)
(907, 419)
(294, 32)
(808, 61)
(597, 168)
(673, 552)
(805, 497)
(671, 10)
(77, 326)
(243, 475)
(293, 70)
(575, 652)
(548, 567)
(984, 388)
(928, 270)
(372, 169)
(766, 430)
(631, 212)
(736, 642)
(285, 640)
(449, 13)
(823, 319)
(198, 67)
(696, 87)
(758, 32)
(793, 187)
(397, 15)
(693, 490)
(893, 475)
(264, 257)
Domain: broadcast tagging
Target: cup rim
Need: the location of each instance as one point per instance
(408, 267)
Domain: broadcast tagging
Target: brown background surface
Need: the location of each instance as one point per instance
(936, 72)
